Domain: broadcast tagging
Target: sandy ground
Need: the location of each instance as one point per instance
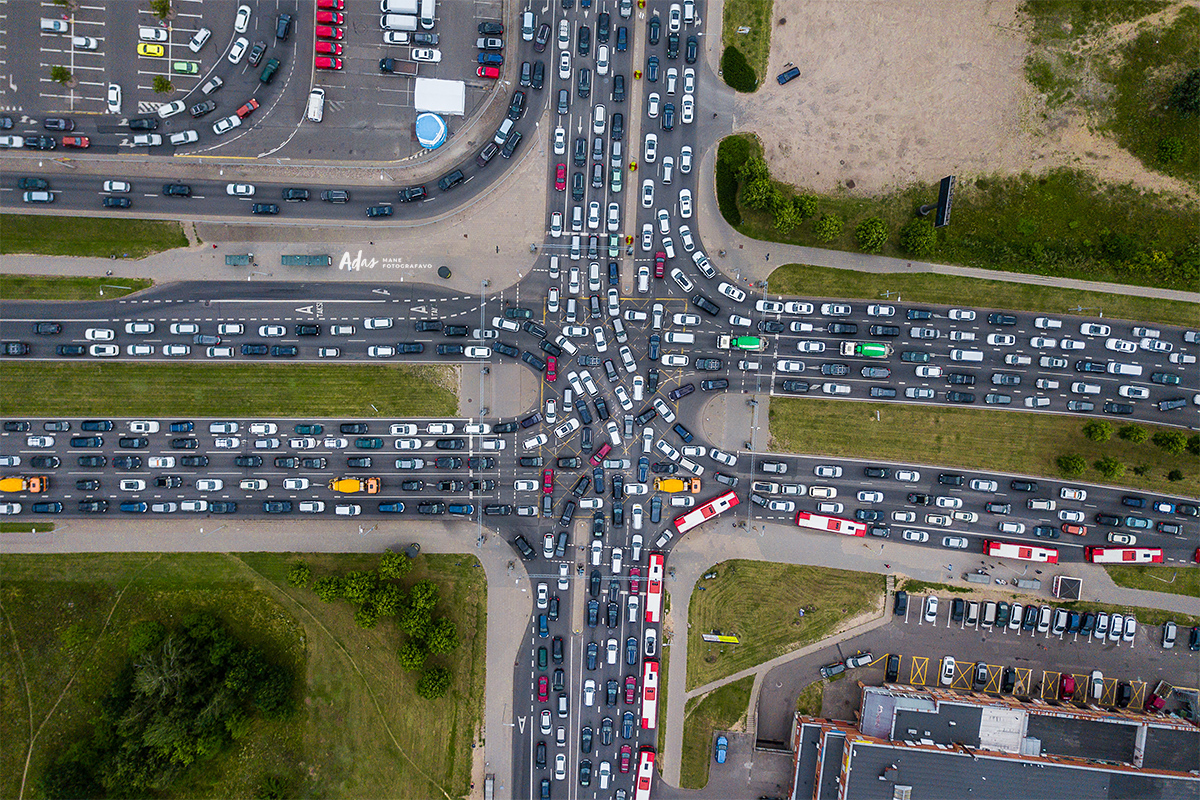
(891, 93)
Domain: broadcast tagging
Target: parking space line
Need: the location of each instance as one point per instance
(993, 681)
(918, 670)
(1023, 676)
(962, 678)
(1052, 683)
(1139, 693)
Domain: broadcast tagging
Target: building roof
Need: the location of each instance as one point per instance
(1171, 749)
(806, 760)
(1101, 740)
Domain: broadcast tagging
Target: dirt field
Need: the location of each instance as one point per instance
(895, 92)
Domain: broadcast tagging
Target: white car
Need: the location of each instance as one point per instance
(176, 350)
(666, 413)
(564, 34)
(789, 365)
(903, 516)
(602, 60)
(962, 314)
(682, 280)
(981, 485)
(1071, 344)
(209, 485)
(915, 536)
(140, 350)
(870, 497)
(104, 350)
(664, 221)
(721, 457)
(564, 65)
(114, 98)
(379, 323)
(731, 291)
(738, 321)
(1071, 515)
(675, 361)
(647, 193)
(238, 50)
(653, 102)
(241, 23)
(947, 502)
(908, 475)
(556, 224)
(650, 148)
(647, 237)
(688, 110)
(1067, 493)
(786, 506)
(809, 346)
(926, 371)
(1093, 329)
(589, 695)
(1133, 392)
(536, 441)
(1043, 343)
(685, 203)
(614, 217)
(381, 351)
(1121, 345)
(227, 124)
(685, 158)
(593, 217)
(150, 34)
(426, 54)
(601, 341)
(560, 139)
(827, 471)
(239, 190)
(877, 310)
(1001, 339)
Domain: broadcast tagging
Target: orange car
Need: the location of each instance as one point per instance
(80, 142)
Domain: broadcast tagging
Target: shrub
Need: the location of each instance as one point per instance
(1174, 442)
(60, 74)
(736, 70)
(1175, 475)
(434, 683)
(299, 575)
(871, 235)
(413, 655)
(1133, 433)
(1110, 468)
(806, 205)
(827, 228)
(1170, 150)
(1193, 444)
(163, 85)
(917, 237)
(732, 154)
(1185, 95)
(1097, 431)
(1071, 465)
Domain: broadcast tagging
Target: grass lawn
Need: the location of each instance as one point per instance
(1005, 441)
(98, 237)
(720, 709)
(759, 601)
(951, 290)
(86, 388)
(24, 527)
(359, 730)
(1174, 580)
(1145, 616)
(914, 587)
(808, 702)
(664, 659)
(755, 45)
(52, 287)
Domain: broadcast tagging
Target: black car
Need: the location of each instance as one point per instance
(1090, 366)
(143, 124)
(843, 328)
(176, 190)
(918, 499)
(960, 379)
(1000, 319)
(410, 347)
(284, 350)
(93, 506)
(448, 462)
(45, 462)
(287, 462)
(516, 109)
(672, 45)
(884, 330)
(539, 74)
(1118, 408)
(692, 47)
(1019, 486)
(384, 210)
(319, 463)
(960, 397)
(541, 38)
(195, 461)
(133, 442)
(252, 462)
(93, 462)
(40, 143)
(36, 184)
(255, 349)
(200, 109)
(593, 613)
(708, 364)
(433, 509)
(185, 443)
(950, 479)
(278, 506)
(168, 481)
(583, 40)
(87, 441)
(411, 194)
(450, 349)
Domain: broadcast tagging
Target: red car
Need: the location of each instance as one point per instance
(660, 263)
(325, 32)
(635, 580)
(604, 450)
(551, 369)
(548, 481)
(543, 688)
(630, 689)
(247, 109)
(488, 72)
(626, 756)
(324, 62)
(334, 4)
(80, 142)
(329, 49)
(330, 18)
(560, 177)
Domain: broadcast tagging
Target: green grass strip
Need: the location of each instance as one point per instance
(96, 237)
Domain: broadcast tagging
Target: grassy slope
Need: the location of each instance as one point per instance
(755, 45)
(53, 287)
(720, 709)
(1008, 441)
(759, 601)
(1174, 580)
(97, 237)
(337, 744)
(89, 388)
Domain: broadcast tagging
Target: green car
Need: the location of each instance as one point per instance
(186, 67)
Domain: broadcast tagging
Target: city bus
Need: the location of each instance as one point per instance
(1124, 555)
(718, 505)
(645, 773)
(654, 578)
(650, 694)
(819, 522)
(1023, 552)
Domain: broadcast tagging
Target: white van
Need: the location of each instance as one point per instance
(398, 22)
(428, 8)
(316, 105)
(674, 337)
(1117, 368)
(966, 355)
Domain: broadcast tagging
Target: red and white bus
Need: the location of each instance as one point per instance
(718, 505)
(654, 578)
(645, 773)
(1023, 552)
(1124, 555)
(818, 522)
(650, 694)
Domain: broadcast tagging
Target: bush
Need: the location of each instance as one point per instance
(1071, 465)
(60, 74)
(1097, 431)
(759, 194)
(1170, 150)
(299, 575)
(160, 8)
(1133, 433)
(434, 683)
(918, 238)
(145, 636)
(394, 565)
(732, 154)
(442, 637)
(1110, 468)
(806, 205)
(1174, 442)
(827, 228)
(412, 655)
(786, 218)
(1193, 444)
(1175, 475)
(736, 70)
(1185, 95)
(163, 85)
(871, 235)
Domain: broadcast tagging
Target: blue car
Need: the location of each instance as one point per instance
(392, 508)
(490, 59)
(784, 77)
(722, 747)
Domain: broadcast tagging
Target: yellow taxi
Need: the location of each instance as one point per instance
(150, 49)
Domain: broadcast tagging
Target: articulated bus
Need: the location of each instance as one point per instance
(818, 522)
(718, 505)
(650, 694)
(1124, 555)
(654, 578)
(1024, 552)
(645, 773)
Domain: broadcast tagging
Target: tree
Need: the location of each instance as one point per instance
(827, 228)
(1133, 433)
(806, 205)
(60, 74)
(871, 235)
(1097, 430)
(358, 586)
(442, 637)
(1193, 444)
(1110, 468)
(160, 8)
(759, 194)
(1170, 150)
(328, 589)
(299, 575)
(387, 599)
(1174, 442)
(1185, 95)
(754, 168)
(434, 683)
(394, 565)
(1175, 475)
(412, 655)
(786, 218)
(736, 70)
(917, 237)
(144, 636)
(1071, 465)
(415, 621)
(424, 594)
(162, 85)
(365, 616)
